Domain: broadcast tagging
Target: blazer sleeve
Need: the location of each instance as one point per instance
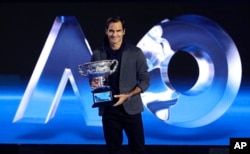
(142, 71)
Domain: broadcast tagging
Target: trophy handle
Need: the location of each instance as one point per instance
(82, 70)
(115, 62)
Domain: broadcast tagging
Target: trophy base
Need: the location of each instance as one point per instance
(102, 97)
(102, 104)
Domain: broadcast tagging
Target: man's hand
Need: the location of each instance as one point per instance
(122, 98)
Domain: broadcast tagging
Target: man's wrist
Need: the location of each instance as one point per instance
(129, 95)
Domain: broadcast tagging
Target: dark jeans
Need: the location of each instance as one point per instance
(115, 120)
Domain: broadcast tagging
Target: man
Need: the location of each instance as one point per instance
(129, 80)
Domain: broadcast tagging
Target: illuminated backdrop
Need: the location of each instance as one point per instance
(45, 100)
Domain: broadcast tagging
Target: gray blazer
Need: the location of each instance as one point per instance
(133, 72)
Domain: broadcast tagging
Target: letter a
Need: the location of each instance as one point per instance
(237, 145)
(65, 48)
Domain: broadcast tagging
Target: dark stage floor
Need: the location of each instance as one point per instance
(100, 149)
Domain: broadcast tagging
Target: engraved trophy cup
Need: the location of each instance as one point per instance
(98, 72)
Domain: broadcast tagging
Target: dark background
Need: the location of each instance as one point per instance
(25, 26)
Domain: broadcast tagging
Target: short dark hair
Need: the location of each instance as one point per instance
(115, 19)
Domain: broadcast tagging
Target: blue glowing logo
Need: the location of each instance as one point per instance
(219, 70)
(210, 97)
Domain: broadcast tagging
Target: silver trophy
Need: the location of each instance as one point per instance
(98, 72)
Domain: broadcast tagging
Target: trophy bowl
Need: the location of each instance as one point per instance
(98, 68)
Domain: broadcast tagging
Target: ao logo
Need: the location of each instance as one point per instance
(209, 98)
